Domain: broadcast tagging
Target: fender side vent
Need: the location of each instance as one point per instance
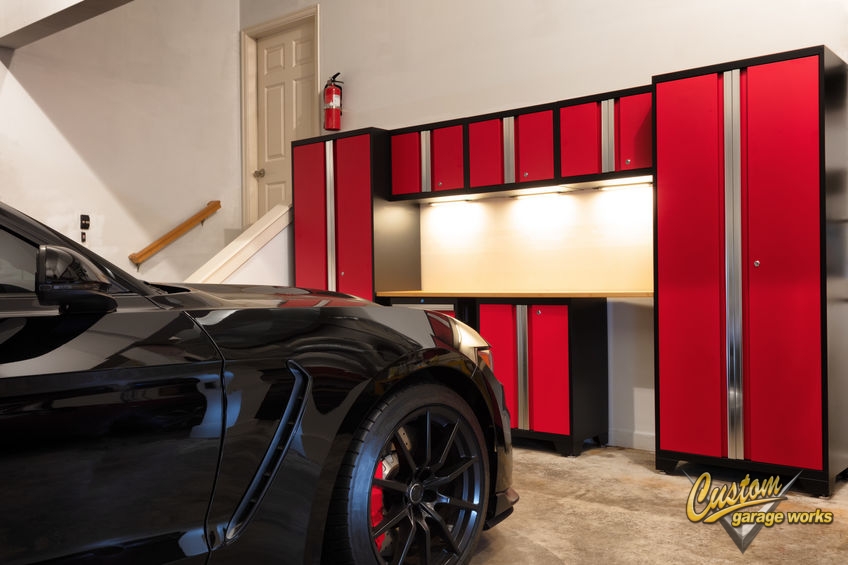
(274, 456)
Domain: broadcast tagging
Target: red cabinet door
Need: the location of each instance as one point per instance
(547, 365)
(447, 155)
(406, 163)
(497, 326)
(310, 216)
(534, 146)
(782, 321)
(485, 153)
(580, 139)
(692, 395)
(633, 132)
(354, 257)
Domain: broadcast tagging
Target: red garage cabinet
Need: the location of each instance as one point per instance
(607, 134)
(534, 146)
(332, 199)
(486, 153)
(743, 253)
(406, 163)
(548, 369)
(447, 156)
(580, 139)
(552, 360)
(309, 192)
(633, 131)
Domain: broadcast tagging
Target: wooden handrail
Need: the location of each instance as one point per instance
(170, 237)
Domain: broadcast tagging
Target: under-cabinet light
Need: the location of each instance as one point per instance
(539, 194)
(449, 202)
(624, 186)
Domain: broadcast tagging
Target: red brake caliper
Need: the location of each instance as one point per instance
(377, 505)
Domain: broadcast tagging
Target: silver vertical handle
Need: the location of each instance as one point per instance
(523, 367)
(733, 266)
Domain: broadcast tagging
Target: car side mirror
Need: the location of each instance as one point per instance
(66, 278)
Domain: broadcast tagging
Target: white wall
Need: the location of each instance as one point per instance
(407, 63)
(631, 372)
(131, 117)
(272, 264)
(15, 14)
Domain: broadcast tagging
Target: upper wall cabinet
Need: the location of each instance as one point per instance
(534, 146)
(604, 136)
(486, 153)
(447, 158)
(581, 140)
(633, 132)
(406, 163)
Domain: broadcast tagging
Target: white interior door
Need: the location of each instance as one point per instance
(286, 109)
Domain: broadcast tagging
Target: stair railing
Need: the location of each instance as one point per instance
(173, 235)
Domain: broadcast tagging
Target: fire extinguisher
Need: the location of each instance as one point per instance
(333, 104)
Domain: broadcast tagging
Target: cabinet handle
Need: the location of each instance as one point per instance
(526, 174)
(627, 161)
(756, 263)
(538, 312)
(440, 183)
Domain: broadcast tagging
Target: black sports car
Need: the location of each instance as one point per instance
(146, 423)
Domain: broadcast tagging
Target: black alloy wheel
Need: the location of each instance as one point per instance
(418, 486)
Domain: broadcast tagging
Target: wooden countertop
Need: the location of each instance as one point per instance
(518, 294)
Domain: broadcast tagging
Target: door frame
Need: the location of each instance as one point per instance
(249, 107)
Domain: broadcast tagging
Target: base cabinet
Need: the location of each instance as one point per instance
(552, 360)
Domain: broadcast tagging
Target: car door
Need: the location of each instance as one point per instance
(110, 426)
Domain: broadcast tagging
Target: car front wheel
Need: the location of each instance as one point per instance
(414, 483)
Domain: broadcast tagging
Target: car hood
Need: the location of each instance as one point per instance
(214, 296)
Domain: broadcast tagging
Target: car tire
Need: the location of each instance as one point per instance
(414, 484)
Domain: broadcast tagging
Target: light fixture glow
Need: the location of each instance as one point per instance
(450, 203)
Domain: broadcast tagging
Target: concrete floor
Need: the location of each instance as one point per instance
(610, 505)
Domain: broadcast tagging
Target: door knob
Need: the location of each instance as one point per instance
(259, 173)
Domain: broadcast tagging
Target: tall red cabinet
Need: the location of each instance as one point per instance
(347, 236)
(749, 263)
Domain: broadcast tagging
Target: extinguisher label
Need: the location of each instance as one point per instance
(335, 102)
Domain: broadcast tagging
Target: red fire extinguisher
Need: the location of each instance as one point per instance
(333, 104)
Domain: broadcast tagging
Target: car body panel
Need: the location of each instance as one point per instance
(204, 423)
(119, 406)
